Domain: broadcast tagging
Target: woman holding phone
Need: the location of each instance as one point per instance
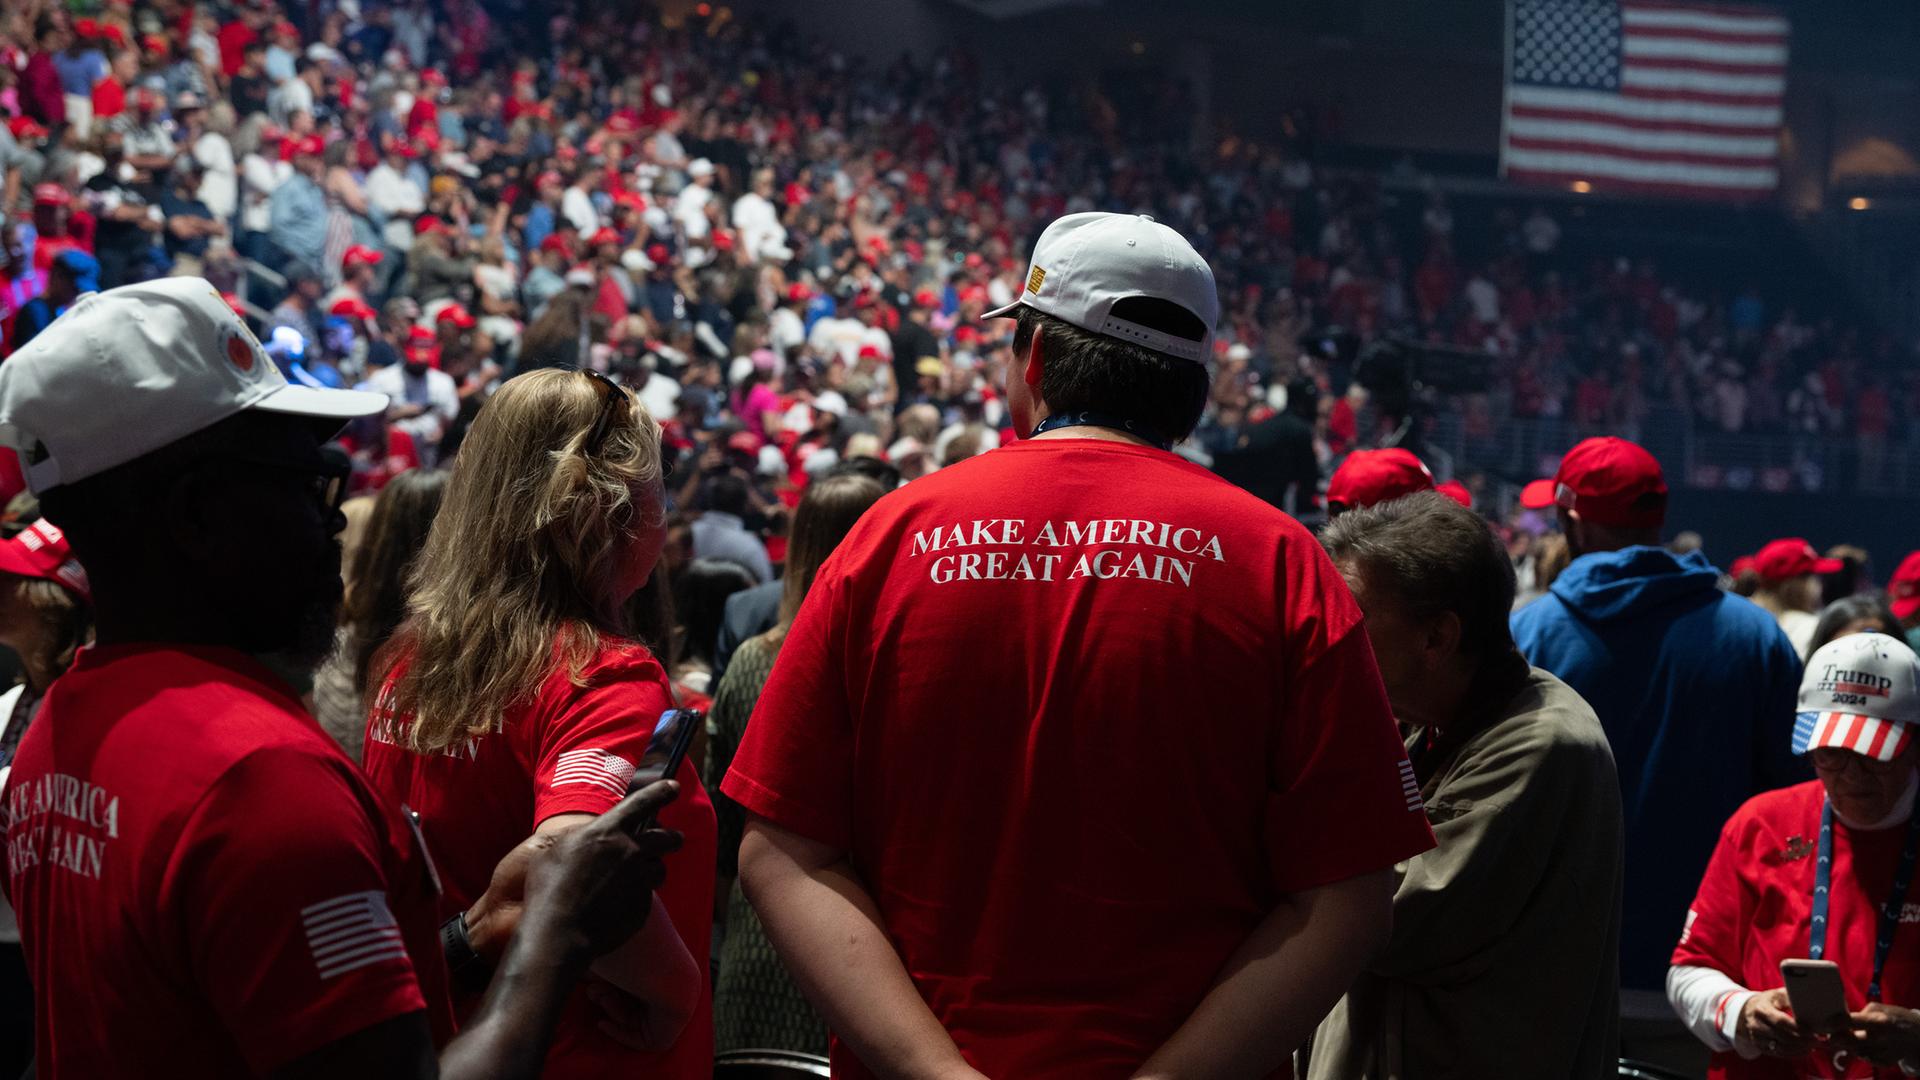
(514, 701)
(1821, 871)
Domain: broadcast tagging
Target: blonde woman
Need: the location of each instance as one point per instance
(513, 700)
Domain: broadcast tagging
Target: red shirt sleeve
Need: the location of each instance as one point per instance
(590, 739)
(1711, 935)
(1343, 799)
(279, 885)
(795, 763)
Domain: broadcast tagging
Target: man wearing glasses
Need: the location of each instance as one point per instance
(205, 885)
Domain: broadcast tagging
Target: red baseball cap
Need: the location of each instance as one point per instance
(422, 347)
(426, 223)
(926, 298)
(556, 242)
(360, 254)
(352, 307)
(603, 235)
(26, 129)
(41, 551)
(457, 315)
(1791, 558)
(1610, 481)
(1368, 477)
(1457, 491)
(50, 195)
(1537, 495)
(658, 255)
(312, 145)
(798, 293)
(1903, 592)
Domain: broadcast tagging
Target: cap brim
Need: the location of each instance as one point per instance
(1828, 566)
(1868, 736)
(1007, 312)
(1904, 608)
(321, 403)
(1531, 496)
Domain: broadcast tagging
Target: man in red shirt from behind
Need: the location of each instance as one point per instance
(1076, 761)
(205, 884)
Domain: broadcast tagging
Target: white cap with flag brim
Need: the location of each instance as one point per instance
(125, 372)
(1083, 263)
(1860, 692)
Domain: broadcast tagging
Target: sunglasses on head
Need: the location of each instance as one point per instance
(612, 398)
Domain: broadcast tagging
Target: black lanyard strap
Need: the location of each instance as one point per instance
(1889, 922)
(1090, 418)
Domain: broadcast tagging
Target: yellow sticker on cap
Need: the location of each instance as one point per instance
(1034, 279)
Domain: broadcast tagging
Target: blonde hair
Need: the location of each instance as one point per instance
(827, 512)
(520, 569)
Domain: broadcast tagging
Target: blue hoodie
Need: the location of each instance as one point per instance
(1696, 689)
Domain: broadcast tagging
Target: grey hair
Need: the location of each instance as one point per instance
(1432, 555)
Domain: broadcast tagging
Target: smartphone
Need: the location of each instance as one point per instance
(1818, 998)
(667, 748)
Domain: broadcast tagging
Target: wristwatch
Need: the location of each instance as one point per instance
(469, 970)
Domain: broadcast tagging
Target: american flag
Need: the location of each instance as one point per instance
(594, 767)
(1881, 740)
(1645, 97)
(350, 932)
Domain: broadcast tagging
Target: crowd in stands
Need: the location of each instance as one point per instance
(722, 205)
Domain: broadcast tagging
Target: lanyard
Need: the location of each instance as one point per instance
(1100, 419)
(1889, 912)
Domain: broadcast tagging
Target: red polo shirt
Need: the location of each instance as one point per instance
(205, 884)
(1080, 713)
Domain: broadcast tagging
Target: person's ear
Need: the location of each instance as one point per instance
(1443, 638)
(1033, 365)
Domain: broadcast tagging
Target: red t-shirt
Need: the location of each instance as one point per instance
(572, 749)
(1755, 907)
(205, 884)
(1080, 713)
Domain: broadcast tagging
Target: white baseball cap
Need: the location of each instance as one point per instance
(1860, 692)
(1084, 262)
(127, 371)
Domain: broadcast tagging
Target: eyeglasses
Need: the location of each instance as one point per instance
(1838, 762)
(327, 478)
(612, 398)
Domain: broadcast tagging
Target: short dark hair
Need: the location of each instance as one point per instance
(727, 493)
(1432, 555)
(1089, 372)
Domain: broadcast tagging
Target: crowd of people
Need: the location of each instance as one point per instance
(643, 367)
(672, 202)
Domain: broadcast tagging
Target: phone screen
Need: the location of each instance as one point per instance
(667, 748)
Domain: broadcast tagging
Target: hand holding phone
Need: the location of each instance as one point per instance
(1818, 996)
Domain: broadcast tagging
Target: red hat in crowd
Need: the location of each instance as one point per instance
(556, 242)
(1791, 558)
(1610, 481)
(360, 255)
(1741, 564)
(1537, 495)
(41, 551)
(926, 298)
(457, 315)
(798, 293)
(283, 28)
(745, 442)
(352, 307)
(1457, 491)
(426, 223)
(50, 195)
(658, 255)
(605, 235)
(311, 145)
(1903, 592)
(422, 347)
(86, 29)
(1368, 477)
(26, 128)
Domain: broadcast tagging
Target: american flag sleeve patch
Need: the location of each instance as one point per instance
(596, 767)
(350, 932)
(1410, 786)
